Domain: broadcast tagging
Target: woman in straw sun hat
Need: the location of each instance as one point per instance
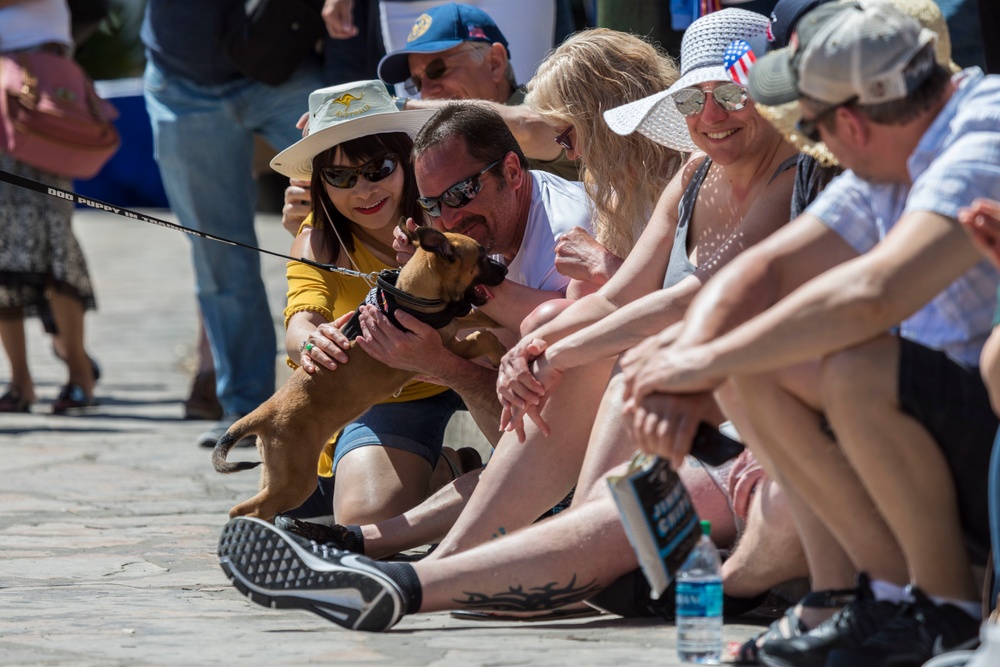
(356, 158)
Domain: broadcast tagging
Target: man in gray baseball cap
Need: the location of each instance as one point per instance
(855, 353)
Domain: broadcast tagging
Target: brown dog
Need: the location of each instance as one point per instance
(293, 425)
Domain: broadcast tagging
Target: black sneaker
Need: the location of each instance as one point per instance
(923, 630)
(848, 628)
(335, 536)
(283, 571)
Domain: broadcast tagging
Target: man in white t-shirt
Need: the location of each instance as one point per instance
(474, 180)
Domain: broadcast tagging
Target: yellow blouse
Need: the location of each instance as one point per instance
(331, 295)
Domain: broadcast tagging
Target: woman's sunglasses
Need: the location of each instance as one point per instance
(456, 196)
(347, 177)
(729, 96)
(563, 139)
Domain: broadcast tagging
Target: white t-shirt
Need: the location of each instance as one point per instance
(557, 205)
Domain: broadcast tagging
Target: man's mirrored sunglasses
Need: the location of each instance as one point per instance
(458, 195)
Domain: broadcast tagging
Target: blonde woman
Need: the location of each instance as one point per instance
(591, 72)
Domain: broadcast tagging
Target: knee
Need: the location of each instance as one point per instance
(858, 377)
(544, 313)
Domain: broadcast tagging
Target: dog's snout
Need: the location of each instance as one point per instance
(493, 272)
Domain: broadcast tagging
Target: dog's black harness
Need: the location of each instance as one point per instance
(388, 298)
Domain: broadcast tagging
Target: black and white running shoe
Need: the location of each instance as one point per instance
(283, 571)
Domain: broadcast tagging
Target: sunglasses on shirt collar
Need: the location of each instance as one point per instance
(729, 96)
(458, 195)
(345, 178)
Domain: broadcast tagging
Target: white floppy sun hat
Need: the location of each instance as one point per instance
(702, 50)
(341, 113)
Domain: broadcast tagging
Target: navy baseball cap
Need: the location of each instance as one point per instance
(439, 29)
(784, 16)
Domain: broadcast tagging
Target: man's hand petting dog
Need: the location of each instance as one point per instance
(417, 349)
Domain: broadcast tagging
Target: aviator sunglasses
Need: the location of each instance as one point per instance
(729, 96)
(435, 70)
(456, 196)
(347, 177)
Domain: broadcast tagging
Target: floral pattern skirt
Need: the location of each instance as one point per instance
(38, 250)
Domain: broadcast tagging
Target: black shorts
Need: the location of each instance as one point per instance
(952, 403)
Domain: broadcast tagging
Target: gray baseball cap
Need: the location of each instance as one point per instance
(844, 51)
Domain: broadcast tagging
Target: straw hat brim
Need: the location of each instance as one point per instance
(657, 117)
(296, 160)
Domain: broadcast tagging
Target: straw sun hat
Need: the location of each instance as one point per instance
(785, 117)
(341, 113)
(702, 50)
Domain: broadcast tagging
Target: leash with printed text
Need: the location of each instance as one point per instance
(68, 195)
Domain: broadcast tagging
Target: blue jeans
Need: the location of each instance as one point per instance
(203, 143)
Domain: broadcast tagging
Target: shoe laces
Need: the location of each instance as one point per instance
(335, 537)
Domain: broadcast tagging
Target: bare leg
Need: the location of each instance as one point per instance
(784, 412)
(768, 552)
(559, 561)
(426, 523)
(14, 345)
(376, 483)
(901, 465)
(522, 480)
(68, 314)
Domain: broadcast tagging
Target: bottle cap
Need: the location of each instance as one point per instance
(706, 527)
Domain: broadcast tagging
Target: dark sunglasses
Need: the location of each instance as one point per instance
(809, 128)
(729, 96)
(347, 177)
(563, 138)
(456, 196)
(435, 70)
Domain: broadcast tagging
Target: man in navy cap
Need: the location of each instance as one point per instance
(457, 52)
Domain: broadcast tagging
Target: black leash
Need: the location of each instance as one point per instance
(68, 195)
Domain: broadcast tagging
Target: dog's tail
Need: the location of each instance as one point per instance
(236, 432)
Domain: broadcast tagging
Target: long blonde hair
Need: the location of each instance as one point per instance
(592, 71)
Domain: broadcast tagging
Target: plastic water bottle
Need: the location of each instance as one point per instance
(699, 603)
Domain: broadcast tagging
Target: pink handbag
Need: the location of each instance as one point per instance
(51, 117)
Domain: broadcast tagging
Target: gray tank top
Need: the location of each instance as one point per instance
(680, 265)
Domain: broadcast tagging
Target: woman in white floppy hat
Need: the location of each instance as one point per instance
(356, 158)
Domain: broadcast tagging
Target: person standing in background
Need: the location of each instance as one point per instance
(204, 113)
(42, 269)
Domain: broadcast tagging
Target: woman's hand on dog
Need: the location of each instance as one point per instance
(328, 346)
(401, 242)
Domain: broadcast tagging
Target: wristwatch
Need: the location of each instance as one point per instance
(401, 102)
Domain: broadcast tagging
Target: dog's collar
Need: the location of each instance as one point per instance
(388, 298)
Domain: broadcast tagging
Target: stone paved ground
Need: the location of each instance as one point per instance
(108, 522)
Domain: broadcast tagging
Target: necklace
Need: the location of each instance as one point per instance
(372, 242)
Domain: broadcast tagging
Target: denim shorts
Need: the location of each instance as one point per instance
(414, 426)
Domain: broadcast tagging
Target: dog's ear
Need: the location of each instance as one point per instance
(434, 241)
